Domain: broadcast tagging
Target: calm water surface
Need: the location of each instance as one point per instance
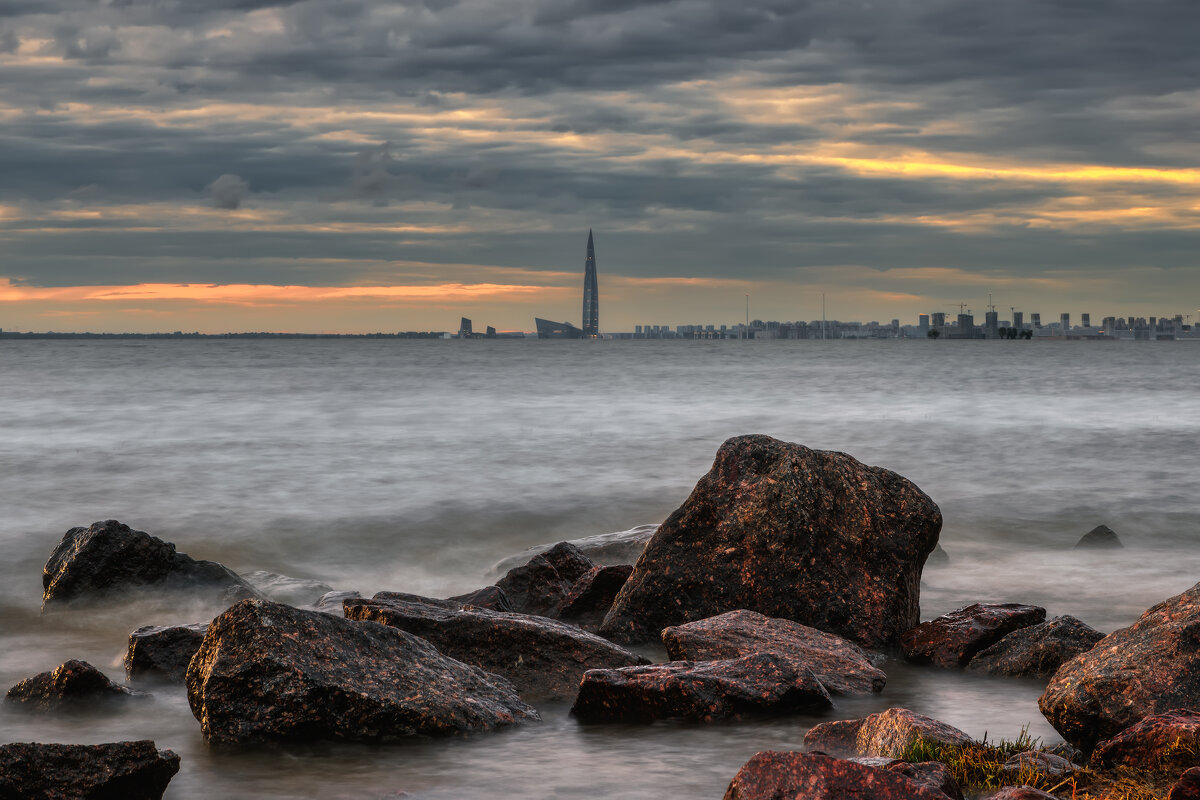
(417, 465)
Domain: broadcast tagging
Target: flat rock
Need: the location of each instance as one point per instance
(1100, 537)
(1151, 667)
(543, 658)
(699, 690)
(888, 733)
(109, 557)
(840, 665)
(620, 547)
(492, 597)
(809, 535)
(592, 595)
(113, 771)
(535, 588)
(1039, 762)
(1038, 650)
(1156, 743)
(953, 639)
(776, 775)
(72, 685)
(268, 671)
(1187, 787)
(163, 651)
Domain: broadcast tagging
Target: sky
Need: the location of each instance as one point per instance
(360, 165)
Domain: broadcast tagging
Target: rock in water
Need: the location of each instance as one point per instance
(125, 770)
(109, 557)
(535, 588)
(592, 595)
(808, 535)
(775, 775)
(1151, 667)
(1037, 651)
(888, 733)
(700, 690)
(267, 671)
(1157, 743)
(622, 547)
(1100, 537)
(492, 597)
(163, 651)
(951, 640)
(841, 666)
(569, 560)
(543, 658)
(73, 685)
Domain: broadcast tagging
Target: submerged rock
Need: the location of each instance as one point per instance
(110, 557)
(285, 589)
(592, 595)
(808, 535)
(776, 775)
(1100, 537)
(1151, 667)
(621, 547)
(72, 685)
(124, 770)
(953, 639)
(888, 733)
(1038, 650)
(334, 602)
(267, 671)
(1156, 743)
(163, 651)
(545, 659)
(841, 666)
(938, 558)
(699, 690)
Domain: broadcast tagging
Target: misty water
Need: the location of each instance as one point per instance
(417, 465)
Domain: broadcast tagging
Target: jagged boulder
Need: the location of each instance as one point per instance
(109, 557)
(774, 527)
(124, 770)
(841, 666)
(1157, 743)
(72, 685)
(535, 588)
(1100, 537)
(267, 671)
(1151, 667)
(591, 596)
(888, 733)
(776, 775)
(1038, 650)
(163, 651)
(543, 658)
(699, 690)
(492, 597)
(953, 639)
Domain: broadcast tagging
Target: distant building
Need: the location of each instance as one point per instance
(1064, 322)
(1018, 320)
(547, 329)
(591, 298)
(1035, 319)
(923, 324)
(991, 324)
(1086, 320)
(464, 329)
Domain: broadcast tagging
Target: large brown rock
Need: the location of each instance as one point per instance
(702, 690)
(72, 685)
(592, 595)
(1038, 650)
(775, 775)
(109, 557)
(888, 733)
(953, 639)
(267, 671)
(841, 666)
(163, 651)
(545, 659)
(1160, 742)
(809, 535)
(113, 771)
(1187, 787)
(1151, 667)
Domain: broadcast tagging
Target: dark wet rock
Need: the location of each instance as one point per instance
(285, 589)
(888, 733)
(841, 666)
(592, 595)
(1038, 762)
(1151, 667)
(334, 602)
(1156, 743)
(543, 658)
(1021, 793)
(953, 639)
(809, 535)
(405, 597)
(163, 651)
(72, 685)
(109, 558)
(268, 671)
(699, 690)
(938, 558)
(569, 560)
(621, 547)
(1038, 650)
(536, 588)
(492, 597)
(1100, 537)
(1187, 787)
(933, 774)
(776, 775)
(114, 771)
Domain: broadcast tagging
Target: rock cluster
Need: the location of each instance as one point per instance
(953, 639)
(1038, 650)
(888, 733)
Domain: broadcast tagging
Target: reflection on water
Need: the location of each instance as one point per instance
(416, 466)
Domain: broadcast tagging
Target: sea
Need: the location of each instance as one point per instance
(417, 466)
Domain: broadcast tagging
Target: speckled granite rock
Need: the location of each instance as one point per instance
(492, 597)
(700, 690)
(1038, 650)
(841, 666)
(545, 659)
(267, 671)
(163, 651)
(110, 557)
(1187, 787)
(1160, 742)
(887, 733)
(571, 562)
(1100, 537)
(774, 527)
(591, 596)
(535, 588)
(1150, 667)
(933, 774)
(953, 639)
(775, 775)
(72, 685)
(114, 771)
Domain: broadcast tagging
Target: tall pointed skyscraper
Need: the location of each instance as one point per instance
(591, 298)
